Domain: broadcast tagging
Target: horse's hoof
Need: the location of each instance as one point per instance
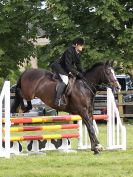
(96, 152)
(99, 147)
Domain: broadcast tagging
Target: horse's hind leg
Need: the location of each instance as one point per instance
(25, 108)
(95, 146)
(18, 101)
(15, 105)
(28, 107)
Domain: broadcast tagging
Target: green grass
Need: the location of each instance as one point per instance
(80, 164)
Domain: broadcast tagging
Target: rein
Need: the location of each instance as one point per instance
(105, 76)
(89, 85)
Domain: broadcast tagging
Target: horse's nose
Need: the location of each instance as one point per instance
(118, 87)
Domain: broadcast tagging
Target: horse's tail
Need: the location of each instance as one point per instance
(18, 85)
(18, 100)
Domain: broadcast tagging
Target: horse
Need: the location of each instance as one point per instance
(79, 97)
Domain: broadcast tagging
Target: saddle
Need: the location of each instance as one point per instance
(69, 87)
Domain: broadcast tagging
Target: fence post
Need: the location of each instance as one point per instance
(120, 102)
(5, 95)
(109, 122)
(116, 138)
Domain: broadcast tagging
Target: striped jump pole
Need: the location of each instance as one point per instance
(43, 137)
(38, 119)
(39, 128)
(45, 119)
(100, 117)
(82, 140)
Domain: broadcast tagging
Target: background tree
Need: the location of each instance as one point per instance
(18, 25)
(106, 25)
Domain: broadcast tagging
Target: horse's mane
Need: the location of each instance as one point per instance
(95, 65)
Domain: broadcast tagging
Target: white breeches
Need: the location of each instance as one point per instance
(64, 78)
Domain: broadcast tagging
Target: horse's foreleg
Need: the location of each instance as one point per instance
(91, 109)
(93, 138)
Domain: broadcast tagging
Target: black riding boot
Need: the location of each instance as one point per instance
(60, 91)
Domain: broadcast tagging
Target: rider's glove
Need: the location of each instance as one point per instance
(80, 75)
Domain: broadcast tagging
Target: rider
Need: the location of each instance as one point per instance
(68, 63)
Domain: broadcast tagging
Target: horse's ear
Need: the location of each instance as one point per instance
(109, 63)
(112, 63)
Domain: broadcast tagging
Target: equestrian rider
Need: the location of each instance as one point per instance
(68, 63)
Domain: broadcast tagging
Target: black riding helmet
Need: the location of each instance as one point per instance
(78, 41)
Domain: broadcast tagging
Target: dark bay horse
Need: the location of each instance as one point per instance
(41, 83)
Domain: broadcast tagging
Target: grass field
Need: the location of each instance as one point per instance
(80, 164)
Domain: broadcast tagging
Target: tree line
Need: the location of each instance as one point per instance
(106, 26)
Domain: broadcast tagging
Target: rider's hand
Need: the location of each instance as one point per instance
(80, 75)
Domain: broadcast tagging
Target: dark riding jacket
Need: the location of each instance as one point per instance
(68, 62)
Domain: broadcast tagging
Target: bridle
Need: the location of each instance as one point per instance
(89, 85)
(111, 81)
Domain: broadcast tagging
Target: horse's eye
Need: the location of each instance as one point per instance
(108, 71)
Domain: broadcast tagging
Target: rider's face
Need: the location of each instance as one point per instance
(79, 48)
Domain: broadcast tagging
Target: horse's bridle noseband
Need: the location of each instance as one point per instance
(111, 82)
(107, 72)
